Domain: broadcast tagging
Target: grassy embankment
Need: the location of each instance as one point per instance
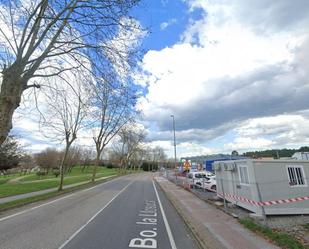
(32, 182)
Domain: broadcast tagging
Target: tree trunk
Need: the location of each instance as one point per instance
(10, 96)
(83, 168)
(62, 168)
(94, 172)
(131, 168)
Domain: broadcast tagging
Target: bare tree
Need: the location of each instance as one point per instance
(74, 158)
(158, 155)
(26, 163)
(48, 159)
(44, 38)
(112, 109)
(129, 146)
(67, 109)
(87, 156)
(154, 156)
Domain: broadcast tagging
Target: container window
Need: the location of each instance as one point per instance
(296, 176)
(243, 175)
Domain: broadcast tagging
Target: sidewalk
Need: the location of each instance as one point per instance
(212, 227)
(41, 192)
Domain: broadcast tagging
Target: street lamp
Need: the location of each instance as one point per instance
(175, 158)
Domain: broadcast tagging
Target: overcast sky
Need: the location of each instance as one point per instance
(234, 73)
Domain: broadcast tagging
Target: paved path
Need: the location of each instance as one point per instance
(17, 179)
(126, 212)
(45, 191)
(214, 228)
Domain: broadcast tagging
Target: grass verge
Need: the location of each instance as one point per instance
(24, 201)
(11, 189)
(281, 239)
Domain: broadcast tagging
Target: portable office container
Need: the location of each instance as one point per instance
(267, 187)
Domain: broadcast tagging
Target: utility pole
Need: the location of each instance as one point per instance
(175, 157)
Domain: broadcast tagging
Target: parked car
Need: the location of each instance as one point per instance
(210, 184)
(196, 178)
(208, 173)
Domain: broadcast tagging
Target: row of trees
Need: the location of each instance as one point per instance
(129, 153)
(74, 57)
(275, 152)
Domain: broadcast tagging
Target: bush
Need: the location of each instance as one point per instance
(148, 166)
(56, 172)
(41, 173)
(101, 163)
(109, 165)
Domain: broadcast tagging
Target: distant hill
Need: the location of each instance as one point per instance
(274, 152)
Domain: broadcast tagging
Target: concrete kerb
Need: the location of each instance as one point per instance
(202, 235)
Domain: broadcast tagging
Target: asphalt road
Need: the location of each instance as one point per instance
(127, 212)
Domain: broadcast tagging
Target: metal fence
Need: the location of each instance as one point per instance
(190, 184)
(267, 197)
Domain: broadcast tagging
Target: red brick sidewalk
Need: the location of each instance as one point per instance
(212, 227)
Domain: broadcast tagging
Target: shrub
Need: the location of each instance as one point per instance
(109, 165)
(56, 172)
(41, 173)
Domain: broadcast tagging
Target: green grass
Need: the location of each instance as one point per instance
(20, 202)
(281, 239)
(76, 176)
(10, 176)
(34, 177)
(24, 201)
(76, 171)
(2, 181)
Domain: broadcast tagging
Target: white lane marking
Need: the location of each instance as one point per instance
(51, 202)
(167, 226)
(96, 214)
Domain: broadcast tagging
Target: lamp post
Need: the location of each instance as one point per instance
(175, 158)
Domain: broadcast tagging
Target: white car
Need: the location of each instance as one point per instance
(208, 173)
(196, 179)
(210, 184)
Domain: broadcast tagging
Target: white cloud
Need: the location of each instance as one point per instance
(128, 38)
(188, 149)
(247, 143)
(170, 22)
(165, 145)
(228, 68)
(286, 130)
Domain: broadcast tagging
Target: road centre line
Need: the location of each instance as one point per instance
(51, 202)
(167, 226)
(92, 218)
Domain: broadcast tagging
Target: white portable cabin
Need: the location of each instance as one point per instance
(265, 187)
(301, 156)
